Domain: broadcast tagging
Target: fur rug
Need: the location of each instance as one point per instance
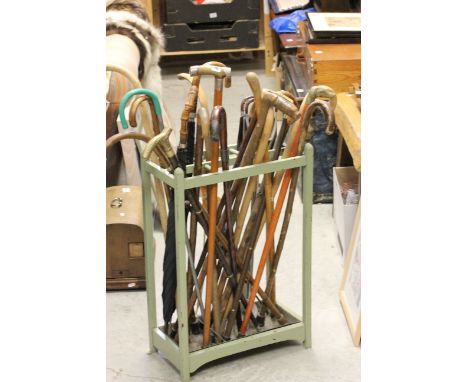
(129, 18)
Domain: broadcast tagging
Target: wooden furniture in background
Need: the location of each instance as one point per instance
(334, 65)
(348, 122)
(149, 8)
(266, 35)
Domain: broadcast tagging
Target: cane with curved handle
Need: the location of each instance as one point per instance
(134, 92)
(135, 105)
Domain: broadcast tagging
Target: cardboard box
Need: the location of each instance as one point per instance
(344, 213)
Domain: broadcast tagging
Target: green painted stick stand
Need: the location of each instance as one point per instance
(180, 356)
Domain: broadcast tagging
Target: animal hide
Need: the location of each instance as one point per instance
(129, 18)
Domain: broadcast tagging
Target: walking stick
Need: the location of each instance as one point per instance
(132, 119)
(202, 218)
(221, 74)
(204, 104)
(212, 205)
(142, 137)
(159, 193)
(221, 115)
(268, 99)
(160, 144)
(288, 210)
(185, 154)
(285, 183)
(197, 170)
(245, 253)
(246, 102)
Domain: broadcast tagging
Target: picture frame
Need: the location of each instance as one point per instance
(334, 25)
(350, 286)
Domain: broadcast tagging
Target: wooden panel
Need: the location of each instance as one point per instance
(149, 8)
(131, 209)
(334, 52)
(119, 262)
(339, 75)
(124, 232)
(126, 283)
(335, 65)
(348, 121)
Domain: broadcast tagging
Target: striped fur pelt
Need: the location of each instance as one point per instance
(129, 18)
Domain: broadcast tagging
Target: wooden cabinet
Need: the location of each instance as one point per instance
(265, 34)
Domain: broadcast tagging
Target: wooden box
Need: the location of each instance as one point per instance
(334, 65)
(125, 262)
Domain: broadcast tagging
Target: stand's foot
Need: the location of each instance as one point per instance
(184, 375)
(151, 350)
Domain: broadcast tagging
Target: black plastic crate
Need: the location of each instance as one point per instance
(212, 36)
(185, 11)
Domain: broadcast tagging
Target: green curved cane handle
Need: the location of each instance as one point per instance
(135, 92)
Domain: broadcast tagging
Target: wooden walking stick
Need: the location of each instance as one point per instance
(134, 107)
(220, 74)
(197, 170)
(216, 115)
(161, 145)
(246, 102)
(292, 191)
(156, 127)
(268, 99)
(185, 154)
(285, 183)
(203, 103)
(202, 217)
(245, 253)
(235, 188)
(158, 188)
(142, 137)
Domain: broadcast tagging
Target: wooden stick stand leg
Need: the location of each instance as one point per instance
(179, 354)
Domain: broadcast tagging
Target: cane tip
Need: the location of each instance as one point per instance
(261, 321)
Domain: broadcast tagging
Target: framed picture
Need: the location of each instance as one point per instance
(350, 287)
(323, 23)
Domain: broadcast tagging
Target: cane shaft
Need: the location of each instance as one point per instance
(266, 123)
(284, 229)
(295, 147)
(213, 196)
(216, 313)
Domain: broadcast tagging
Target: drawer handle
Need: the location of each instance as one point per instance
(195, 40)
(228, 38)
